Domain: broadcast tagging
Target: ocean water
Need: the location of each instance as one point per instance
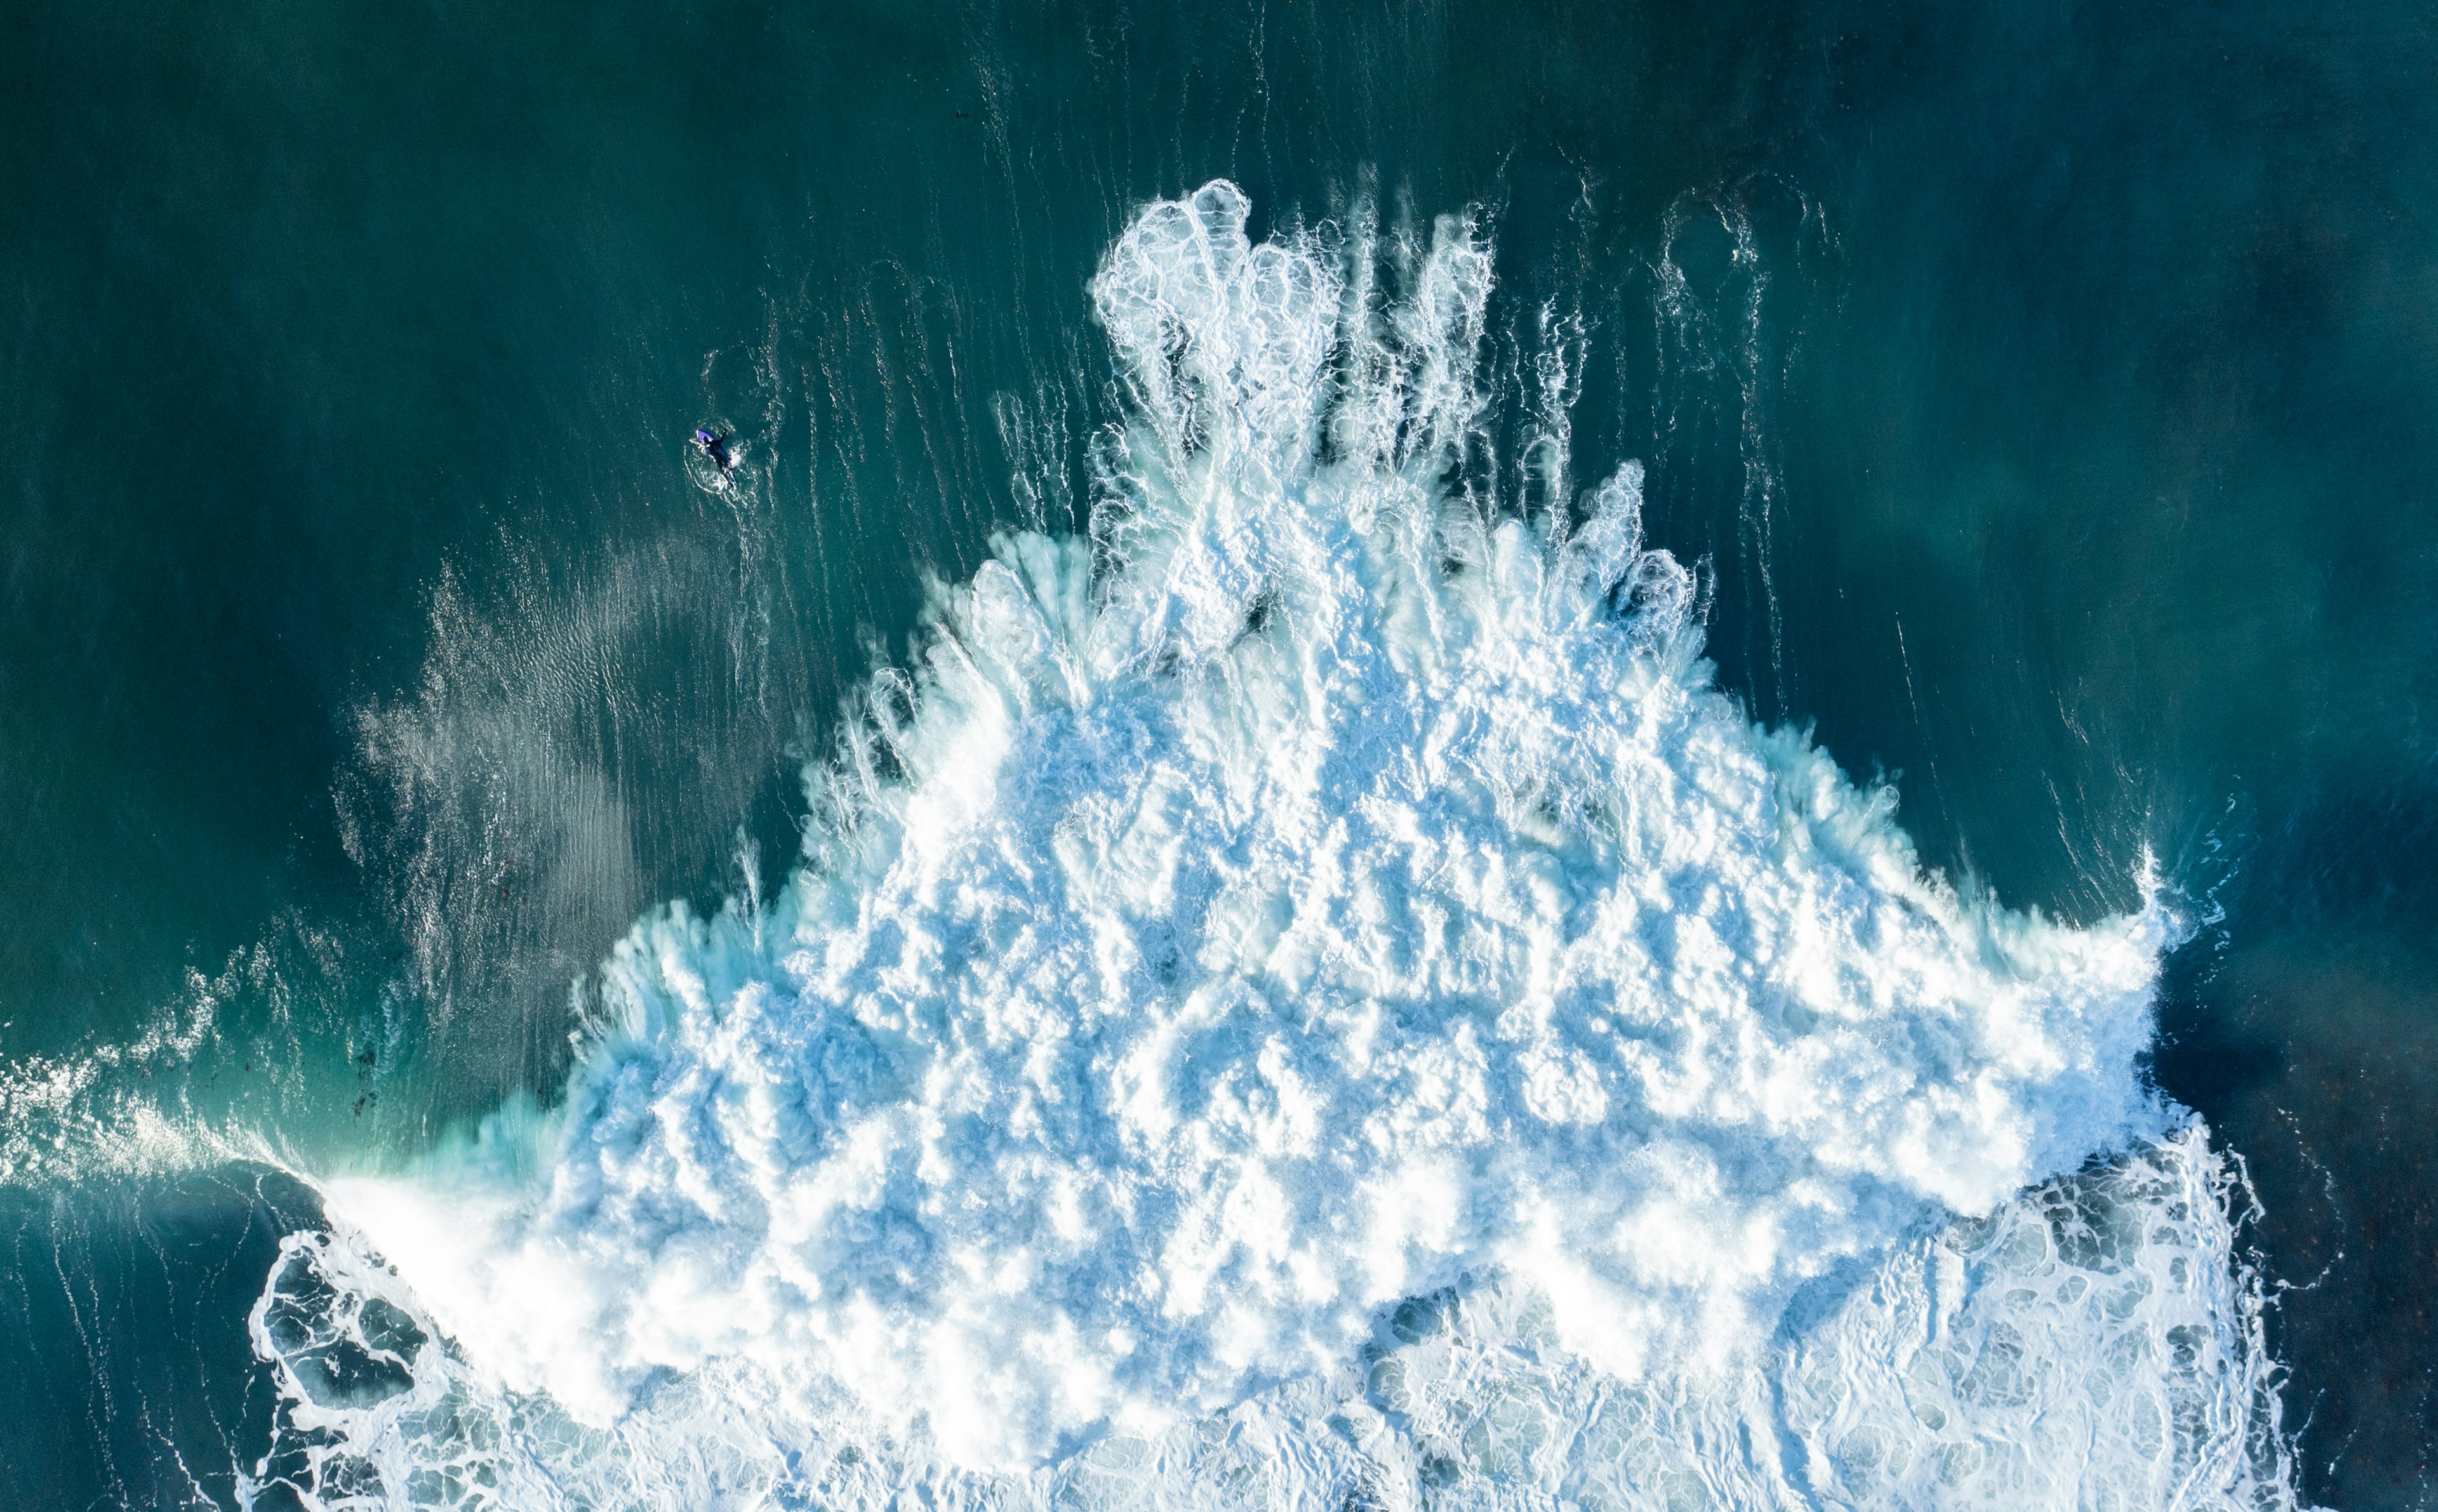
(1426, 756)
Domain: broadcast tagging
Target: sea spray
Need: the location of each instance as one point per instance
(1309, 992)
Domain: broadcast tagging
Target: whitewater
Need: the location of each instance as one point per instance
(1310, 995)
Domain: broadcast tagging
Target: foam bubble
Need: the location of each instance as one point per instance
(1318, 891)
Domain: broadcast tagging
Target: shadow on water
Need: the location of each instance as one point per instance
(2310, 1043)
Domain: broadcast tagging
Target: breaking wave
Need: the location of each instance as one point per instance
(1311, 993)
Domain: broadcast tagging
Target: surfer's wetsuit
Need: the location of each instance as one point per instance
(715, 447)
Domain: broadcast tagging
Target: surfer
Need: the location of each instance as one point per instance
(715, 447)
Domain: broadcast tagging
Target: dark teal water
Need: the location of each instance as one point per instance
(367, 662)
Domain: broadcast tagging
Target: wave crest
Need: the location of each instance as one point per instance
(1321, 889)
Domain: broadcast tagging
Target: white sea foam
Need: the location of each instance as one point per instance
(1317, 893)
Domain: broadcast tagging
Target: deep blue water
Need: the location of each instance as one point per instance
(2063, 449)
